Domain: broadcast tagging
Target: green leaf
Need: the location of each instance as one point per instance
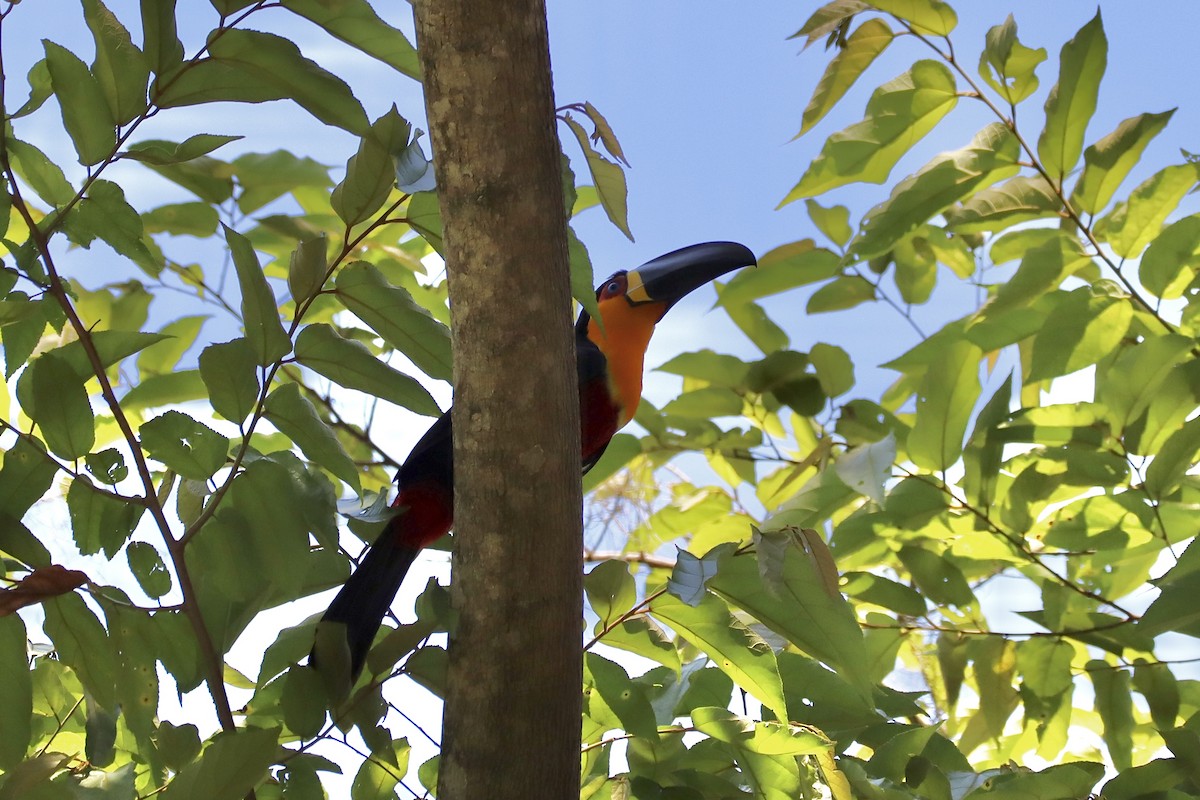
(40, 172)
(105, 214)
(714, 368)
(99, 521)
(582, 280)
(736, 651)
(120, 68)
(945, 399)
(1020, 199)
(884, 592)
(608, 178)
(1155, 777)
(395, 316)
(982, 456)
(425, 218)
(85, 115)
(351, 365)
(232, 764)
(1114, 703)
(16, 691)
(1135, 223)
(26, 475)
(260, 314)
(1158, 685)
(370, 172)
(860, 50)
(828, 20)
(207, 178)
(610, 590)
(1169, 264)
(297, 419)
(758, 327)
(1007, 65)
(640, 636)
(162, 357)
(108, 465)
(1072, 101)
(1084, 328)
(834, 222)
(157, 391)
(927, 16)
(374, 781)
(766, 738)
(160, 41)
(60, 407)
(267, 176)
(147, 566)
(160, 152)
(39, 89)
(991, 156)
(1108, 161)
(210, 80)
(182, 219)
(278, 63)
(82, 644)
(303, 701)
(705, 403)
(626, 699)
(834, 368)
(938, 579)
(184, 445)
(1173, 461)
(1043, 267)
(899, 114)
(1133, 380)
(843, 292)
(307, 267)
(803, 610)
(357, 24)
(178, 745)
(784, 268)
(230, 372)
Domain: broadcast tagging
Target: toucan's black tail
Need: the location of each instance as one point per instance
(365, 598)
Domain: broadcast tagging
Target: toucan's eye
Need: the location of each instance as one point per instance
(614, 288)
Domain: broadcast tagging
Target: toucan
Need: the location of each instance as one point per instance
(609, 359)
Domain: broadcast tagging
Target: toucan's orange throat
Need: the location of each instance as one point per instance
(627, 332)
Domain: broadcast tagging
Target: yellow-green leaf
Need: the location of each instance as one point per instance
(608, 178)
(1108, 161)
(899, 114)
(945, 399)
(861, 49)
(928, 16)
(733, 647)
(1134, 223)
(1072, 101)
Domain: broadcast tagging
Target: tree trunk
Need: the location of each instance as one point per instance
(512, 715)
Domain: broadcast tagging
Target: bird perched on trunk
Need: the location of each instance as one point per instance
(609, 360)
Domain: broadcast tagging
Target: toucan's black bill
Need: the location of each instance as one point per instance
(669, 278)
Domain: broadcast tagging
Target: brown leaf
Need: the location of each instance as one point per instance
(816, 549)
(39, 585)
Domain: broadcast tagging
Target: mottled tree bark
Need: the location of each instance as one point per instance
(512, 715)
